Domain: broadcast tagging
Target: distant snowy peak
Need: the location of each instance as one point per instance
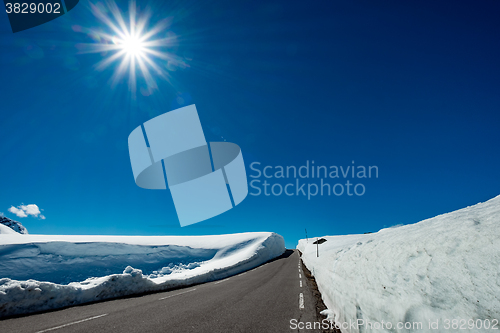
(14, 225)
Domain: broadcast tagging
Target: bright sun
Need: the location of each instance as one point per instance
(132, 43)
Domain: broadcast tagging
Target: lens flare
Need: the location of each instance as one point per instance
(137, 48)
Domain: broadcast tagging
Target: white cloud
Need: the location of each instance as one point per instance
(26, 210)
(31, 209)
(17, 211)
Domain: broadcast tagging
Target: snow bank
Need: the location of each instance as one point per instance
(439, 269)
(6, 230)
(112, 266)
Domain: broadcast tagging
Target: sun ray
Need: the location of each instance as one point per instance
(159, 54)
(147, 75)
(133, 42)
(120, 72)
(158, 28)
(132, 83)
(159, 71)
(106, 62)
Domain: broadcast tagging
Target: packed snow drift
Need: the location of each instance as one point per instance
(80, 269)
(6, 230)
(442, 272)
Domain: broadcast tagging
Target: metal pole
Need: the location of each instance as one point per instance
(317, 247)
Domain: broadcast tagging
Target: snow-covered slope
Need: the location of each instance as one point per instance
(6, 230)
(440, 269)
(79, 269)
(14, 225)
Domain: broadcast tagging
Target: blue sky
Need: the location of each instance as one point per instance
(411, 87)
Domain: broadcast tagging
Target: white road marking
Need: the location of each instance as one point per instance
(177, 294)
(300, 283)
(243, 273)
(221, 281)
(301, 301)
(73, 323)
(300, 276)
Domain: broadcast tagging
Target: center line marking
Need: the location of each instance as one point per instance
(300, 283)
(300, 276)
(75, 322)
(301, 301)
(177, 294)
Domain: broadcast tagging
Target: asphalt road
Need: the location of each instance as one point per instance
(262, 300)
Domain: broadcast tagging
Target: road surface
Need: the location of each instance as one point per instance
(262, 300)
